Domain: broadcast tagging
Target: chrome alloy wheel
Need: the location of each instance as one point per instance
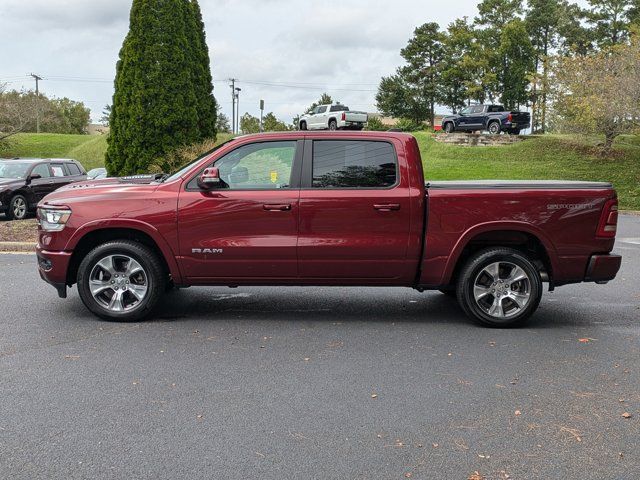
(19, 208)
(118, 283)
(502, 289)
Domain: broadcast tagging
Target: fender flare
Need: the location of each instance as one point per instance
(479, 229)
(131, 224)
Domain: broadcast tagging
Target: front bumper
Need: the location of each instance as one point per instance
(53, 267)
(602, 268)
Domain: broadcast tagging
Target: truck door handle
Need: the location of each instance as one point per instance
(387, 207)
(280, 207)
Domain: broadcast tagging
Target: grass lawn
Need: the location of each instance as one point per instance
(548, 157)
(541, 157)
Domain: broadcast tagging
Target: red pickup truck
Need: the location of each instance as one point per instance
(326, 208)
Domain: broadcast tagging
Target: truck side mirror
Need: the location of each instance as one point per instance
(210, 178)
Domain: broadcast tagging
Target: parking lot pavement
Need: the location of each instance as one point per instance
(274, 383)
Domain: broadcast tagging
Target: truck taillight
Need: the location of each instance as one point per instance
(510, 117)
(608, 220)
(344, 116)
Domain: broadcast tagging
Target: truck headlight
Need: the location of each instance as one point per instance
(53, 219)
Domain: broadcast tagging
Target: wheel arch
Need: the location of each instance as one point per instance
(91, 236)
(525, 238)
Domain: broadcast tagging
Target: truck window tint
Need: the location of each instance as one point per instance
(478, 109)
(73, 169)
(322, 109)
(42, 170)
(496, 108)
(265, 166)
(353, 164)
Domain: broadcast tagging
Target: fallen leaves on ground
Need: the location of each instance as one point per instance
(626, 415)
(476, 476)
(573, 432)
(72, 357)
(517, 413)
(373, 395)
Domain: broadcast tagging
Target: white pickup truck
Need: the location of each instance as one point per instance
(333, 117)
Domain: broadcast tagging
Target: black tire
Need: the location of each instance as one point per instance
(333, 125)
(18, 208)
(154, 275)
(474, 275)
(494, 127)
(515, 131)
(448, 127)
(303, 125)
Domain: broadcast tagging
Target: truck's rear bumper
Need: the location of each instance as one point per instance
(52, 267)
(602, 268)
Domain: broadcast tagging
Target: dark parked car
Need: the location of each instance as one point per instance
(25, 181)
(493, 118)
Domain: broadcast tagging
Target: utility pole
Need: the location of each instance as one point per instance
(37, 79)
(238, 90)
(261, 113)
(233, 104)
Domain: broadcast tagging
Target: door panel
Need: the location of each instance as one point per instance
(353, 233)
(247, 230)
(40, 187)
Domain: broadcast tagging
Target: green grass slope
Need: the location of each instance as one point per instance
(548, 157)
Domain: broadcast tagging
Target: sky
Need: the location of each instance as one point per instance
(283, 51)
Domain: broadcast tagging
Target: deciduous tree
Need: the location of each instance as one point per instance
(600, 93)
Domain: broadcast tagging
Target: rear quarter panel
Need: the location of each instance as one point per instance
(564, 220)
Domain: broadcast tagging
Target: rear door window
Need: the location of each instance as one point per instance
(354, 164)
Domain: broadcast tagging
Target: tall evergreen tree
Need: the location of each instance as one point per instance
(542, 20)
(160, 86)
(518, 55)
(202, 81)
(610, 21)
(456, 76)
(424, 53)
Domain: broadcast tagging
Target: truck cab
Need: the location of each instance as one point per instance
(333, 117)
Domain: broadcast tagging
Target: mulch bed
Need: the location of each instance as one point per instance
(18, 230)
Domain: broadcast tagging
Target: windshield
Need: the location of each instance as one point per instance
(13, 169)
(188, 166)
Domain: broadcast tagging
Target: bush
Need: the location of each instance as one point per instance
(376, 125)
(178, 158)
(407, 125)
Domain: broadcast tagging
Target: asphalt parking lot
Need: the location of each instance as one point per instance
(344, 383)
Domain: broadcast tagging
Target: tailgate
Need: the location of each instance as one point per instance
(360, 117)
(521, 117)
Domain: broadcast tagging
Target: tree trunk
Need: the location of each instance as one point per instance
(608, 142)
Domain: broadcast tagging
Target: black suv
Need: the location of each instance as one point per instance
(25, 181)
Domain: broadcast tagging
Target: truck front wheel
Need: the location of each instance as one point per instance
(499, 287)
(448, 127)
(121, 281)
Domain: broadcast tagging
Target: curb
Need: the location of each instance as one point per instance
(17, 247)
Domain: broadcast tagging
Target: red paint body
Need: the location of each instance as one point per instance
(337, 237)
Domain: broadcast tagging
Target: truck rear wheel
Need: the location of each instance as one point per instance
(333, 125)
(499, 287)
(121, 281)
(494, 127)
(303, 125)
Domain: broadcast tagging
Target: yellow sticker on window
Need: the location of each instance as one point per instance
(274, 176)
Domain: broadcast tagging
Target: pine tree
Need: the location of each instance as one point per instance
(202, 81)
(160, 101)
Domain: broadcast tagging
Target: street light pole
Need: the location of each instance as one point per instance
(261, 114)
(233, 104)
(238, 90)
(37, 79)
